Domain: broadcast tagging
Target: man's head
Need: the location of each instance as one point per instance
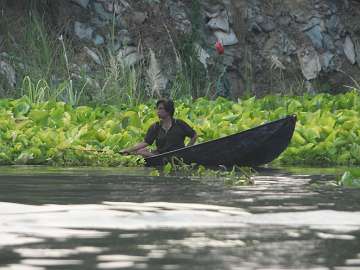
(165, 108)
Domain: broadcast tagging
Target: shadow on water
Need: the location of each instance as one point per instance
(96, 218)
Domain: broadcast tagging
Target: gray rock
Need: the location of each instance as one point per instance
(284, 20)
(129, 56)
(219, 21)
(83, 3)
(259, 19)
(116, 7)
(328, 42)
(349, 50)
(124, 38)
(333, 25)
(156, 80)
(357, 52)
(279, 44)
(227, 39)
(83, 31)
(9, 72)
(254, 27)
(299, 16)
(178, 13)
(97, 22)
(287, 45)
(314, 21)
(266, 23)
(325, 60)
(102, 13)
(339, 46)
(332, 7)
(93, 55)
(139, 17)
(98, 40)
(315, 34)
(309, 63)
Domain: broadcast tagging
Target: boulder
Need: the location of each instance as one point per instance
(98, 40)
(228, 38)
(178, 13)
(349, 50)
(129, 56)
(156, 80)
(266, 24)
(219, 21)
(117, 7)
(315, 34)
(9, 72)
(83, 3)
(139, 17)
(314, 30)
(309, 62)
(83, 31)
(325, 60)
(102, 13)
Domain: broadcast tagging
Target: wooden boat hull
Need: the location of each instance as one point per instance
(253, 147)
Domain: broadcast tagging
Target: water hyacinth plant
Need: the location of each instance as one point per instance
(327, 132)
(350, 179)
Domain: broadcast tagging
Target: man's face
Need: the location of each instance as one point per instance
(161, 112)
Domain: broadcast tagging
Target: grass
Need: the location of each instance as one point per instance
(46, 70)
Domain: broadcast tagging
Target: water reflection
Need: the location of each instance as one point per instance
(110, 219)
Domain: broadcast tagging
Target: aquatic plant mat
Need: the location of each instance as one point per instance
(56, 133)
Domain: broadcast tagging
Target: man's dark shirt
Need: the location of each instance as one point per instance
(172, 139)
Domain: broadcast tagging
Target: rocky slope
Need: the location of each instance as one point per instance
(285, 46)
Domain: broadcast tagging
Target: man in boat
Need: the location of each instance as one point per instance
(168, 133)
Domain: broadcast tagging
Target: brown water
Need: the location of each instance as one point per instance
(120, 219)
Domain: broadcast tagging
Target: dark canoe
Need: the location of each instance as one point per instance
(253, 147)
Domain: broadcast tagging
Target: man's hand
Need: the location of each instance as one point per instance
(134, 149)
(192, 140)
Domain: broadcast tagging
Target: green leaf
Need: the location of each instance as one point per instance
(21, 108)
(39, 116)
(167, 168)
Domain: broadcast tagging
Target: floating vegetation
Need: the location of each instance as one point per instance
(350, 179)
(57, 133)
(235, 176)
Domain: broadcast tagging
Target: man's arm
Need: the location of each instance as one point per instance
(192, 140)
(148, 140)
(134, 148)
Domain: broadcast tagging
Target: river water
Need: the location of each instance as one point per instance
(125, 219)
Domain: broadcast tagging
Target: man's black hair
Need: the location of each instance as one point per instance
(168, 105)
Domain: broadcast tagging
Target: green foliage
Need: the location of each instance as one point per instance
(38, 50)
(45, 68)
(350, 179)
(237, 176)
(327, 131)
(191, 78)
(120, 83)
